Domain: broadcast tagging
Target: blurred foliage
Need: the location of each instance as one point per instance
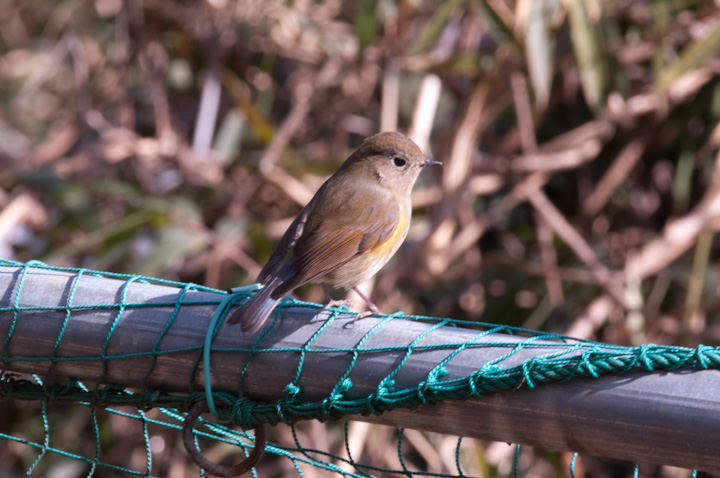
(580, 139)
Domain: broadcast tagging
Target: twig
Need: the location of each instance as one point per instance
(523, 113)
(471, 233)
(678, 235)
(208, 111)
(305, 93)
(425, 109)
(616, 175)
(526, 126)
(389, 105)
(575, 241)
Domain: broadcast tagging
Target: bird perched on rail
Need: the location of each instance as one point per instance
(351, 227)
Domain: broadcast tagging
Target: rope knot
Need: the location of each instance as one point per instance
(292, 390)
(587, 361)
(527, 369)
(705, 356)
(242, 412)
(646, 355)
(346, 385)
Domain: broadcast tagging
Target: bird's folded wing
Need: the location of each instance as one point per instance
(324, 248)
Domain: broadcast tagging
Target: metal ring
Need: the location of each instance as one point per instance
(207, 465)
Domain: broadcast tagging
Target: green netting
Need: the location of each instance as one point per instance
(153, 407)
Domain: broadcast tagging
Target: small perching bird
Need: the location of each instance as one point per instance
(348, 231)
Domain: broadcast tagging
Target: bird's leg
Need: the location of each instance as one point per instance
(332, 302)
(373, 308)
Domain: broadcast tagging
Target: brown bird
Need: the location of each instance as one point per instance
(351, 227)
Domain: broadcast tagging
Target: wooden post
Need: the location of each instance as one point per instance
(665, 418)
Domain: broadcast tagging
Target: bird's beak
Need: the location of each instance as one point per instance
(430, 162)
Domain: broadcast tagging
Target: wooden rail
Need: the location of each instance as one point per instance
(664, 418)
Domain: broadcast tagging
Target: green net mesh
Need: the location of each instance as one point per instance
(55, 373)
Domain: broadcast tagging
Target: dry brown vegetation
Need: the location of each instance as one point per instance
(580, 191)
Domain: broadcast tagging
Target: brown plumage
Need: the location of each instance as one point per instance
(351, 227)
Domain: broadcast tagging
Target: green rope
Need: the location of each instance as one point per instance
(247, 413)
(212, 331)
(458, 467)
(573, 460)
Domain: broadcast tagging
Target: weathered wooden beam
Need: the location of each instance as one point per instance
(665, 418)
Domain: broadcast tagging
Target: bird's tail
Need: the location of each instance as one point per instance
(254, 312)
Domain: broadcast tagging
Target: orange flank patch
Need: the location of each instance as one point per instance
(391, 245)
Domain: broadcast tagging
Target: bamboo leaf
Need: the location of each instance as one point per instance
(540, 51)
(692, 58)
(366, 23)
(584, 37)
(434, 28)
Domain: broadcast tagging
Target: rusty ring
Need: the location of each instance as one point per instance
(214, 468)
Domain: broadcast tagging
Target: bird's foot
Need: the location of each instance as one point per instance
(336, 303)
(362, 315)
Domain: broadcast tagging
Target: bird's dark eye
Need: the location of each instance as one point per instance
(399, 162)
